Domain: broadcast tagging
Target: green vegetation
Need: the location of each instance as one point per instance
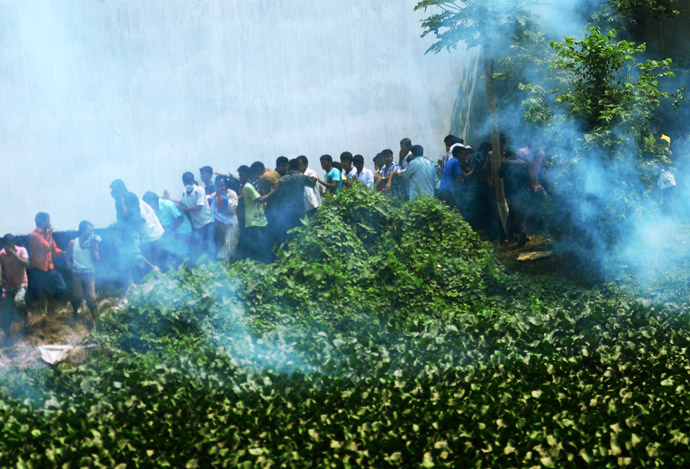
(599, 104)
(383, 336)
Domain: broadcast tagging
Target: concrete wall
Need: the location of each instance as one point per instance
(92, 90)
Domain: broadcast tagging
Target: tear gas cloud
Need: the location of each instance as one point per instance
(639, 239)
(143, 91)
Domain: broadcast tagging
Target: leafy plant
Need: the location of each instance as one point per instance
(607, 86)
(599, 106)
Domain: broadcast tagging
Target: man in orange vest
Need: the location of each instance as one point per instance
(42, 273)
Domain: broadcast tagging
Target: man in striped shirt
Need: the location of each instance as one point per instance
(398, 187)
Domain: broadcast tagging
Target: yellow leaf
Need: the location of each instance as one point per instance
(314, 435)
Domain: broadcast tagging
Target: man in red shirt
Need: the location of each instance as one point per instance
(13, 261)
(533, 154)
(43, 251)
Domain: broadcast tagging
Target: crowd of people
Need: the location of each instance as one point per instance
(227, 217)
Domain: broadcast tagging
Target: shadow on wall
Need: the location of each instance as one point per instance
(470, 110)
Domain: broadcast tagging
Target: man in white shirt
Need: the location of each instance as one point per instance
(364, 175)
(151, 233)
(312, 196)
(151, 230)
(405, 154)
(195, 205)
(174, 244)
(206, 173)
(451, 141)
(349, 171)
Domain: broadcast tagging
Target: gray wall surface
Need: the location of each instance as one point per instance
(93, 90)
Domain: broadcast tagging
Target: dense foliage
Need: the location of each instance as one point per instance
(363, 257)
(382, 336)
(599, 106)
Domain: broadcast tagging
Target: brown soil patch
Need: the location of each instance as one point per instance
(51, 324)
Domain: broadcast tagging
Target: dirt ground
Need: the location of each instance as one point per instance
(667, 245)
(51, 324)
(539, 247)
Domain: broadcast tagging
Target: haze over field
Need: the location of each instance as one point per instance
(97, 90)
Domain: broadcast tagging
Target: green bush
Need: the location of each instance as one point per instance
(361, 254)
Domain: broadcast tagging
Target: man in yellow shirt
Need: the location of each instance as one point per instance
(255, 223)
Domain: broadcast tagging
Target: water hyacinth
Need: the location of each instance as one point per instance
(258, 365)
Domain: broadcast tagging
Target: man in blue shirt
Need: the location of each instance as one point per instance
(420, 173)
(333, 178)
(452, 174)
